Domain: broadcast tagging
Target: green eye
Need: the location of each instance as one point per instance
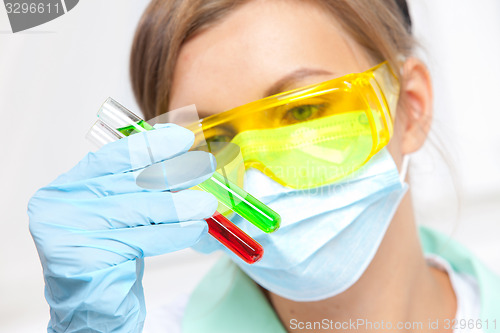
(214, 143)
(302, 113)
(219, 138)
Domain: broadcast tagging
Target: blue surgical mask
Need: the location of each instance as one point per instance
(328, 236)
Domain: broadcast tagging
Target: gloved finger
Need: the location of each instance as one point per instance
(72, 254)
(150, 240)
(131, 153)
(175, 174)
(123, 211)
(178, 173)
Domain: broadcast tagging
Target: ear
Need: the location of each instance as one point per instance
(415, 105)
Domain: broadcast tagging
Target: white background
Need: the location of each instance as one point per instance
(55, 76)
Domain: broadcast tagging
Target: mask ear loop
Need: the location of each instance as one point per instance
(404, 168)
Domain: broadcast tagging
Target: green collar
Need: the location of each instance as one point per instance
(227, 300)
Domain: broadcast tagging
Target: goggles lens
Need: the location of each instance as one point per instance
(316, 135)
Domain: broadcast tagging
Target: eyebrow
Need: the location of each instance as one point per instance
(283, 83)
(293, 77)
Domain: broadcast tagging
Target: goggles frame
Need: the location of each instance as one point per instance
(376, 89)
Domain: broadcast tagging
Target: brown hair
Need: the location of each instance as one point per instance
(377, 25)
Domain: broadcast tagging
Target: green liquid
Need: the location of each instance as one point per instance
(226, 192)
(140, 126)
(244, 204)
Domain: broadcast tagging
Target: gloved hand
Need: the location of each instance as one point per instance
(94, 225)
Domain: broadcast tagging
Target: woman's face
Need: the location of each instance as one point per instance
(260, 49)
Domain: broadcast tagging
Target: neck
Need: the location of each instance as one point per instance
(397, 287)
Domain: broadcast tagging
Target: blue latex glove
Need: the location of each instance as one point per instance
(94, 225)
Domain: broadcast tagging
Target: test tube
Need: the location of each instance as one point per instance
(243, 203)
(234, 238)
(219, 226)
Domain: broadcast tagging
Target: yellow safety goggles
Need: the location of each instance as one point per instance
(316, 135)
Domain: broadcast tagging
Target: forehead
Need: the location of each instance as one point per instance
(236, 60)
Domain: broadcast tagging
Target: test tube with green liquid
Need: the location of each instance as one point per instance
(241, 202)
(226, 192)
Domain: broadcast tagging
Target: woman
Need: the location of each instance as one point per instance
(343, 259)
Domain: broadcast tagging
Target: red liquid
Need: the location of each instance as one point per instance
(234, 238)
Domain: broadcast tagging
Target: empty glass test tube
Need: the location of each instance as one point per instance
(120, 123)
